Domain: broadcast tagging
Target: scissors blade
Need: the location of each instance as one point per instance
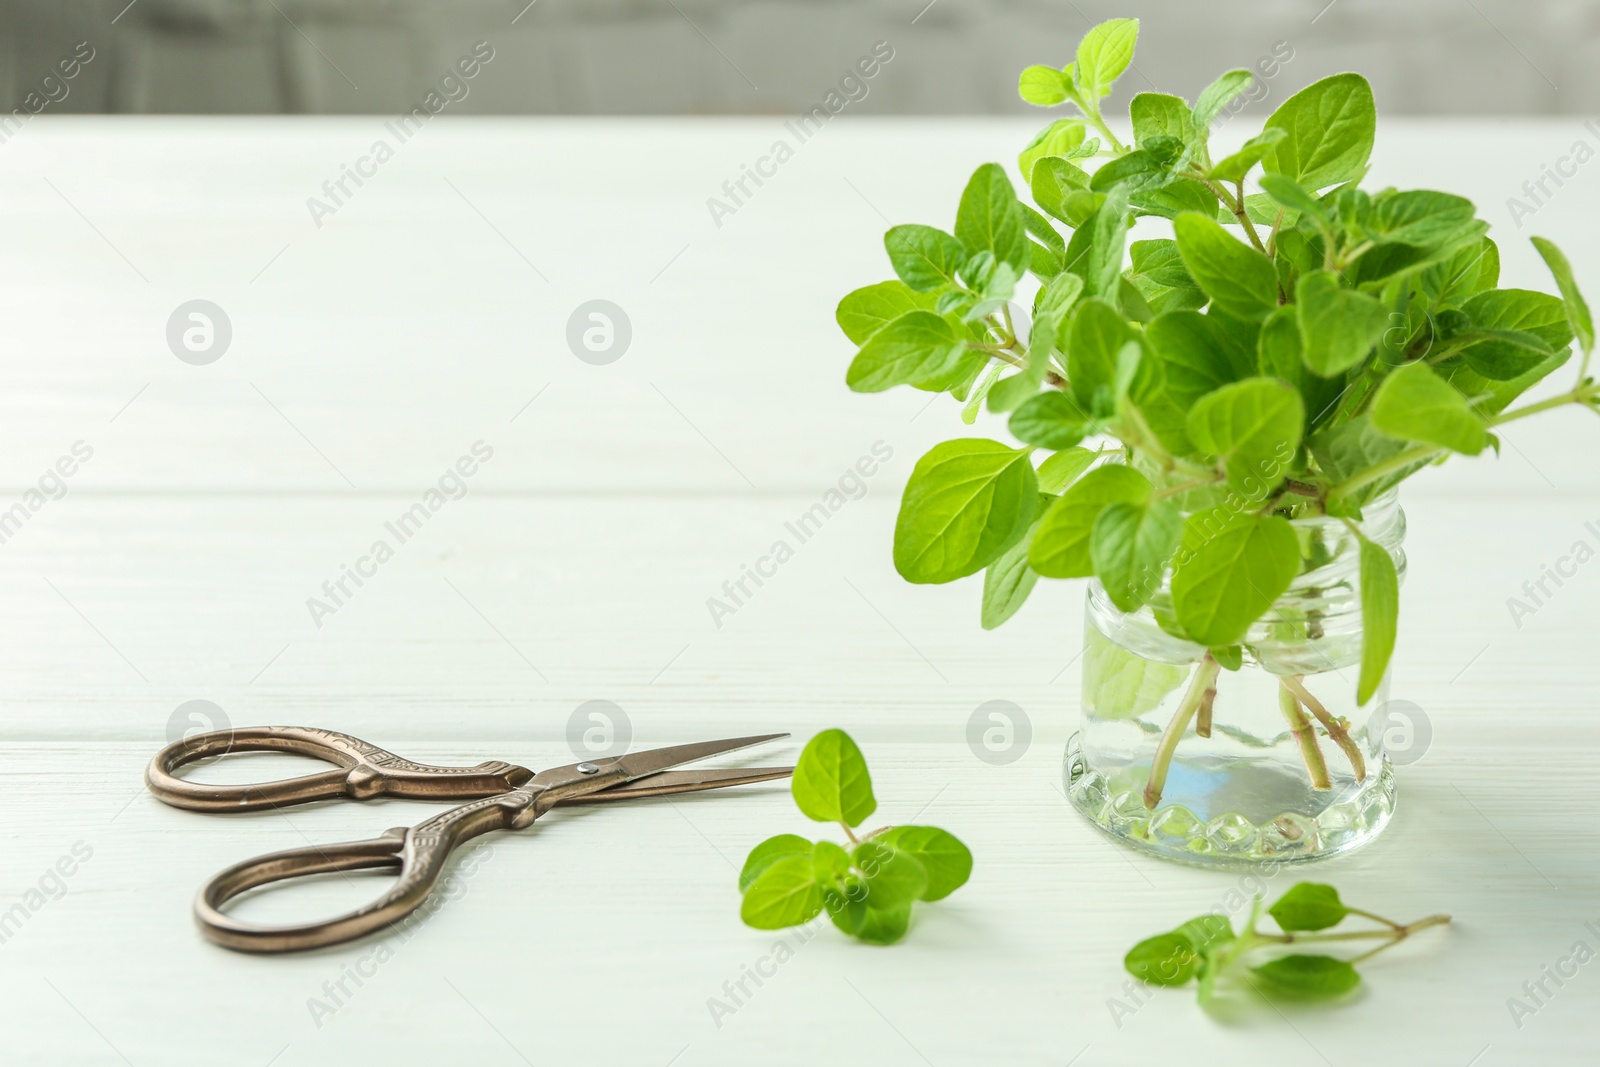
(666, 783)
(603, 775)
(653, 761)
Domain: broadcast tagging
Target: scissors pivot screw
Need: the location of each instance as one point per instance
(588, 768)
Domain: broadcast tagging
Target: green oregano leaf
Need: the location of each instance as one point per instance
(1196, 356)
(1058, 295)
(1206, 933)
(1288, 192)
(1130, 544)
(1234, 575)
(1239, 280)
(1103, 270)
(1062, 468)
(1060, 546)
(1060, 138)
(946, 862)
(1218, 95)
(869, 309)
(769, 852)
(1007, 582)
(1158, 275)
(1043, 86)
(876, 926)
(925, 258)
(1517, 311)
(1420, 218)
(1308, 906)
(1339, 327)
(1254, 427)
(1577, 308)
(890, 877)
(1415, 404)
(1051, 420)
(965, 502)
(919, 349)
(1096, 334)
(1306, 977)
(1166, 960)
(1056, 185)
(785, 894)
(990, 218)
(1380, 617)
(1120, 685)
(1160, 114)
(1103, 54)
(1231, 657)
(831, 783)
(830, 863)
(1329, 128)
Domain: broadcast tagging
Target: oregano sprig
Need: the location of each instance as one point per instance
(1207, 950)
(868, 888)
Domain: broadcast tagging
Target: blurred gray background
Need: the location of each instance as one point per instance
(1469, 57)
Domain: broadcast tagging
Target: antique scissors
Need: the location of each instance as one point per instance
(501, 796)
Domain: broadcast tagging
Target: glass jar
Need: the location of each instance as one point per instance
(1280, 763)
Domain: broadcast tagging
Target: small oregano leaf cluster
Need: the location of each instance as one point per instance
(868, 888)
(1207, 950)
(1297, 347)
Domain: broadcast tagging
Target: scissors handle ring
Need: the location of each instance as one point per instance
(362, 771)
(420, 852)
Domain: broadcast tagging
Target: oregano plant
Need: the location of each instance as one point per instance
(868, 885)
(1207, 950)
(1292, 345)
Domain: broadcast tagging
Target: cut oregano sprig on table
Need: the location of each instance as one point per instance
(1207, 950)
(1293, 352)
(867, 888)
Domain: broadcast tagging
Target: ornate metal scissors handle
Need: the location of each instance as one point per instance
(420, 852)
(363, 771)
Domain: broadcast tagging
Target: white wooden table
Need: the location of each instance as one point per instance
(429, 313)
